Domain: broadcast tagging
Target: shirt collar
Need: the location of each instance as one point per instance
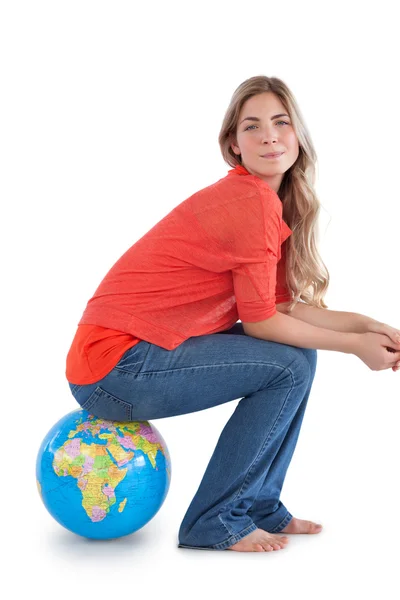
(238, 170)
(241, 170)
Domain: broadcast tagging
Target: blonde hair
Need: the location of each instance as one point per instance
(306, 274)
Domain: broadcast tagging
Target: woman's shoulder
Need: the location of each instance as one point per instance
(231, 192)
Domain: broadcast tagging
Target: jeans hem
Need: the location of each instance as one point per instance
(282, 524)
(223, 545)
(196, 547)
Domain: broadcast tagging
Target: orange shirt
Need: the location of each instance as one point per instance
(214, 259)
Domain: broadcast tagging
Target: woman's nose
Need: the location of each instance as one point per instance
(268, 136)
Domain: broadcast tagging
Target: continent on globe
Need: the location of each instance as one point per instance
(98, 468)
(117, 472)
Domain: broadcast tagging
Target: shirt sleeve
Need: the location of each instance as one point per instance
(260, 284)
(245, 222)
(254, 286)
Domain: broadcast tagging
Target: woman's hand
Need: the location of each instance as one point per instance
(377, 351)
(391, 332)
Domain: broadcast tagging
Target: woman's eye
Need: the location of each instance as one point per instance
(285, 123)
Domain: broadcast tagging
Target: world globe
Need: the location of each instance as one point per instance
(102, 479)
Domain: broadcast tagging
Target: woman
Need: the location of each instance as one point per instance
(160, 337)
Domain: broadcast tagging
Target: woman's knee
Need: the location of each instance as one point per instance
(302, 361)
(311, 356)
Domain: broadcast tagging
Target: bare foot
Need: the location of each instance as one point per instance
(260, 541)
(301, 526)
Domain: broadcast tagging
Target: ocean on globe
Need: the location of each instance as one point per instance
(102, 479)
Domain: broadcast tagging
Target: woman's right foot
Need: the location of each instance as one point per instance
(260, 541)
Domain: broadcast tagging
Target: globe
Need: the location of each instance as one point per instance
(102, 479)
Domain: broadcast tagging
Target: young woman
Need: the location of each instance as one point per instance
(160, 337)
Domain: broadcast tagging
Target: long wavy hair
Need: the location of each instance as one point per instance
(306, 274)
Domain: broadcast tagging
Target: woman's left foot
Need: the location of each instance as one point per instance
(301, 526)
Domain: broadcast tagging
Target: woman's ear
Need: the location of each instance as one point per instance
(235, 147)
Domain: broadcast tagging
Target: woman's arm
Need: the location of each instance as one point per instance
(284, 329)
(330, 319)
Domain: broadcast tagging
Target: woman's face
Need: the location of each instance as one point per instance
(260, 131)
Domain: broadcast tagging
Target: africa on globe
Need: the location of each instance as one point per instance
(102, 479)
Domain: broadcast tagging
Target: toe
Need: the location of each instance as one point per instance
(276, 546)
(283, 539)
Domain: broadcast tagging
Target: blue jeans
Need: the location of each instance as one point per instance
(240, 489)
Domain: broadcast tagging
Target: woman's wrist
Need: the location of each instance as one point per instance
(371, 325)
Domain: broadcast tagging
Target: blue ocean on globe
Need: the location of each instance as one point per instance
(102, 479)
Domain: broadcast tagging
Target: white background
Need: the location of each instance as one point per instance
(110, 114)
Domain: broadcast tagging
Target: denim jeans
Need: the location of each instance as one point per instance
(240, 489)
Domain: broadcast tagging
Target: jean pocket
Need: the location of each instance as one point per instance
(103, 404)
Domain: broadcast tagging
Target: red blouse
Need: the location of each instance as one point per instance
(215, 258)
